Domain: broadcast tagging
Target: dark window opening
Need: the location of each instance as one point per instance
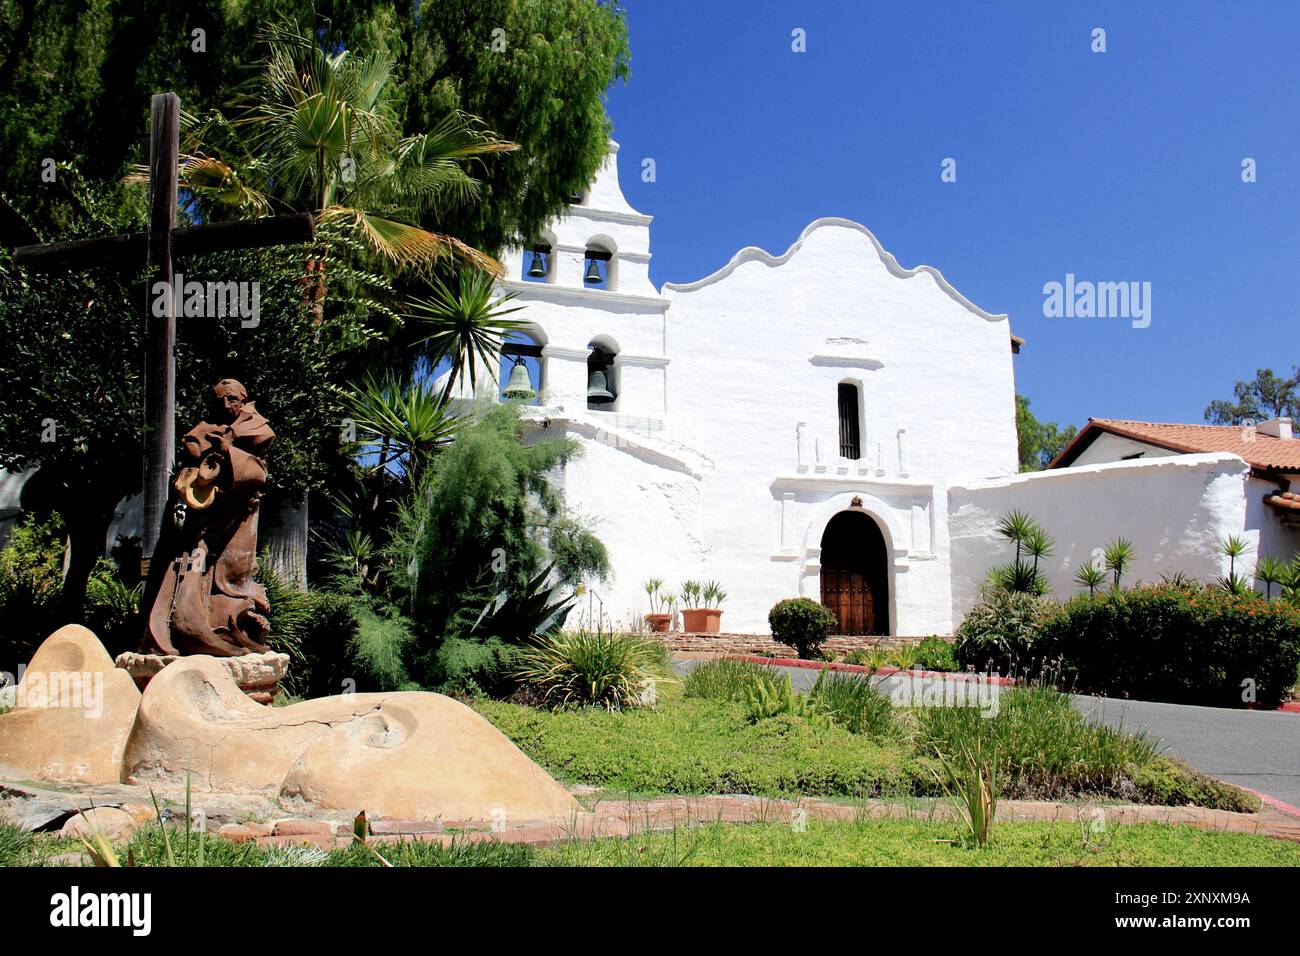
(850, 426)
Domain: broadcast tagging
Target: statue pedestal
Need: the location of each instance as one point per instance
(258, 675)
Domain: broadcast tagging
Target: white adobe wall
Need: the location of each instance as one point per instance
(1175, 509)
(1275, 540)
(1110, 447)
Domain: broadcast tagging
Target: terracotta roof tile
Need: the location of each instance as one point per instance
(1259, 451)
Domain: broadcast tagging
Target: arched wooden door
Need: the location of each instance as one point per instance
(855, 580)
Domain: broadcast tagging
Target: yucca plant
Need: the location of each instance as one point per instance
(652, 590)
(400, 421)
(1017, 527)
(691, 593)
(1232, 547)
(1090, 576)
(1117, 557)
(465, 326)
(712, 594)
(582, 668)
(1270, 571)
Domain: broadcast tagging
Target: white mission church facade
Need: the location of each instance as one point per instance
(824, 423)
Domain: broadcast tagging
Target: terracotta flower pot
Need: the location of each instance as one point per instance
(659, 623)
(702, 620)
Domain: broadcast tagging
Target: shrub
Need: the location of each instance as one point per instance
(854, 703)
(936, 654)
(613, 671)
(1002, 631)
(1184, 644)
(724, 679)
(800, 623)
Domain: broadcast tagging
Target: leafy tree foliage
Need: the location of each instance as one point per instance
(1040, 442)
(1266, 396)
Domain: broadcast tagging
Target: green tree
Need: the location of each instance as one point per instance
(1264, 397)
(1040, 442)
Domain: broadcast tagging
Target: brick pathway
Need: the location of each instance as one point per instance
(618, 818)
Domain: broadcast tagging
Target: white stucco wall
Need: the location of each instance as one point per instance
(1109, 447)
(1174, 509)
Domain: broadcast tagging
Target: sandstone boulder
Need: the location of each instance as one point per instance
(73, 711)
(414, 755)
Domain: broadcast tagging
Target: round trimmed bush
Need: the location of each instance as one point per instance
(800, 623)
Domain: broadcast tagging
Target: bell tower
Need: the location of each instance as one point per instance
(598, 322)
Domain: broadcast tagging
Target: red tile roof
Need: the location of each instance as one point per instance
(1263, 452)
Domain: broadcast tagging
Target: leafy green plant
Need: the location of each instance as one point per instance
(936, 654)
(614, 671)
(800, 623)
(692, 593)
(1001, 632)
(1117, 557)
(768, 698)
(854, 703)
(904, 656)
(1192, 645)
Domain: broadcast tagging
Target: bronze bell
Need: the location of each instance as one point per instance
(598, 392)
(538, 268)
(520, 384)
(593, 276)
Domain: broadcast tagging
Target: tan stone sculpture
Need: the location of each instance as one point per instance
(73, 712)
(204, 599)
(410, 755)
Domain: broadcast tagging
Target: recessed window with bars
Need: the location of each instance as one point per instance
(850, 422)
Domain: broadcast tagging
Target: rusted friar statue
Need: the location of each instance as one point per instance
(205, 600)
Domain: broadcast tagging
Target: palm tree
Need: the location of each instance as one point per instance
(1233, 547)
(317, 132)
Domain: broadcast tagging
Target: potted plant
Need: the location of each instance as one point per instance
(659, 621)
(701, 607)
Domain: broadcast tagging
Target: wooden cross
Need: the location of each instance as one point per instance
(155, 249)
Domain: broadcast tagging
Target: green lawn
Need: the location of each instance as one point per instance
(920, 843)
(866, 842)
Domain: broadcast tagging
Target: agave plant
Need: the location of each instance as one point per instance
(1090, 576)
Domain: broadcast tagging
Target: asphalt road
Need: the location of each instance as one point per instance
(1251, 748)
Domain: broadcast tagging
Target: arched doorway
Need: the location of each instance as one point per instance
(854, 574)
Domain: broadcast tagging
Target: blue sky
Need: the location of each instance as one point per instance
(1115, 166)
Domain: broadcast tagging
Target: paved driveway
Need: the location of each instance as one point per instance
(1252, 748)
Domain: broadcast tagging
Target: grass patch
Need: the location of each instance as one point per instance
(699, 740)
(688, 745)
(875, 842)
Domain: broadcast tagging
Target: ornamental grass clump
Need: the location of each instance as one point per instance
(586, 668)
(854, 703)
(723, 679)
